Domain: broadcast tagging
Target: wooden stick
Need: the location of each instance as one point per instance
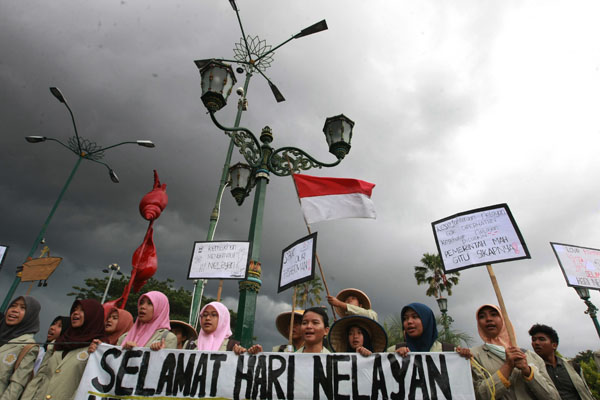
(293, 317)
(509, 326)
(220, 290)
(309, 232)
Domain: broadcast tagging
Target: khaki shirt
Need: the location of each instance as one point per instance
(436, 347)
(39, 383)
(539, 388)
(13, 382)
(323, 351)
(159, 334)
(63, 374)
(356, 310)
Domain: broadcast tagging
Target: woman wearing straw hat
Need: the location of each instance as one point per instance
(352, 302)
(184, 333)
(282, 322)
(356, 333)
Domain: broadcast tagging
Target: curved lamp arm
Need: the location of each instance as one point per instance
(63, 145)
(299, 159)
(110, 147)
(244, 139)
(111, 172)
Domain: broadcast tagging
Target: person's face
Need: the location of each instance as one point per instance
(297, 328)
(77, 316)
(490, 321)
(209, 320)
(542, 345)
(178, 332)
(413, 326)
(353, 300)
(313, 328)
(111, 322)
(54, 330)
(15, 313)
(355, 337)
(145, 310)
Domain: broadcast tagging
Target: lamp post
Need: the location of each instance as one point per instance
(584, 294)
(84, 149)
(263, 160)
(443, 305)
(256, 56)
(114, 268)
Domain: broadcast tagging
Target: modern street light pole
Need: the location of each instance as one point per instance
(114, 268)
(256, 56)
(84, 149)
(584, 294)
(217, 82)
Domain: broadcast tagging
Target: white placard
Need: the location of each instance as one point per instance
(478, 237)
(3, 250)
(580, 265)
(219, 260)
(297, 261)
(140, 373)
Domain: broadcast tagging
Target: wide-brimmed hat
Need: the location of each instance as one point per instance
(362, 299)
(187, 328)
(338, 336)
(283, 322)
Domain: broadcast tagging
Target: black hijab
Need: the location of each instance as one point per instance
(366, 338)
(92, 328)
(29, 324)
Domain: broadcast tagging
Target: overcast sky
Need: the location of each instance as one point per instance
(458, 105)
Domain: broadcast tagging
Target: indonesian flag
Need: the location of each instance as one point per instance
(324, 199)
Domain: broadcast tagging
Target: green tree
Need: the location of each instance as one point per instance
(393, 327)
(308, 294)
(179, 298)
(592, 376)
(431, 272)
(456, 337)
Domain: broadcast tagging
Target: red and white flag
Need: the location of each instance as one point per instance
(324, 199)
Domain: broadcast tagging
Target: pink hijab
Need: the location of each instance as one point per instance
(141, 332)
(213, 341)
(503, 338)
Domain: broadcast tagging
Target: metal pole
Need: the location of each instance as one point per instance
(112, 271)
(40, 236)
(592, 309)
(214, 216)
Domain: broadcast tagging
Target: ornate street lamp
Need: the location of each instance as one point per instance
(255, 56)
(84, 149)
(584, 294)
(263, 160)
(443, 305)
(240, 181)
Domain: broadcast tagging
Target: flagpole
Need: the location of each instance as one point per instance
(509, 326)
(309, 232)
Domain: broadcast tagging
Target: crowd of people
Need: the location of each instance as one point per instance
(31, 371)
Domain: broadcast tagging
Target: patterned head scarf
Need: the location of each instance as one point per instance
(430, 333)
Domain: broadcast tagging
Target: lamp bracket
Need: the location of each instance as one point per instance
(299, 160)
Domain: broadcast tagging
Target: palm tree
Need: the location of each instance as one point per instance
(393, 327)
(431, 272)
(309, 293)
(449, 335)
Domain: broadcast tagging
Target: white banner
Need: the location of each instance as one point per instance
(580, 265)
(483, 236)
(297, 261)
(219, 260)
(113, 373)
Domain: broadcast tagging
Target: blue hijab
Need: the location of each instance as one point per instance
(430, 333)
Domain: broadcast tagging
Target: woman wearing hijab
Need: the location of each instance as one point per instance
(420, 332)
(20, 324)
(117, 323)
(58, 325)
(215, 332)
(151, 328)
(62, 369)
(503, 371)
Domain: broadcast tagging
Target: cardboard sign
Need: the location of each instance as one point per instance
(219, 260)
(3, 251)
(580, 265)
(297, 262)
(482, 236)
(114, 373)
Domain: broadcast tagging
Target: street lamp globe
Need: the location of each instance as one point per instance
(338, 132)
(217, 82)
(443, 304)
(583, 292)
(239, 179)
(35, 139)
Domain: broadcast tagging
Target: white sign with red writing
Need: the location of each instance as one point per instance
(580, 265)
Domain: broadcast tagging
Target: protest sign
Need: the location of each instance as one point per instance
(3, 250)
(580, 265)
(219, 260)
(478, 237)
(114, 373)
(297, 261)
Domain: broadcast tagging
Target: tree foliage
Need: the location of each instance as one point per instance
(431, 273)
(456, 337)
(592, 376)
(179, 298)
(393, 327)
(308, 294)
